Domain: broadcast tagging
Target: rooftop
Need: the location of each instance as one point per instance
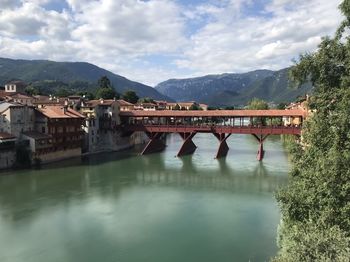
(215, 113)
(55, 111)
(104, 102)
(124, 103)
(36, 135)
(5, 105)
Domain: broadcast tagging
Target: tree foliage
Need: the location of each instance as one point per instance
(315, 205)
(106, 90)
(130, 96)
(258, 104)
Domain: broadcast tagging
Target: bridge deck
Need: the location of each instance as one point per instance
(262, 130)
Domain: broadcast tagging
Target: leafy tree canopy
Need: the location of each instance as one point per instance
(104, 82)
(316, 204)
(106, 93)
(258, 104)
(130, 96)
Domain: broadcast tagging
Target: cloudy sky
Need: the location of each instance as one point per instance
(154, 40)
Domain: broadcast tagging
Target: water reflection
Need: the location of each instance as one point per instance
(123, 207)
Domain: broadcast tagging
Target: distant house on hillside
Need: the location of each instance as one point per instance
(15, 87)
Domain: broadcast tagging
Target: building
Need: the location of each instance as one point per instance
(182, 106)
(101, 125)
(15, 87)
(16, 118)
(161, 105)
(125, 105)
(303, 105)
(148, 106)
(58, 133)
(7, 150)
(20, 98)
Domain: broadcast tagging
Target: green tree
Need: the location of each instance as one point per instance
(31, 90)
(106, 93)
(104, 82)
(194, 107)
(146, 100)
(130, 96)
(106, 90)
(315, 205)
(63, 92)
(258, 104)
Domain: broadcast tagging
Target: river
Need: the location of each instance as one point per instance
(157, 208)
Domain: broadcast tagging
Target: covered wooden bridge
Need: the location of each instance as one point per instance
(221, 123)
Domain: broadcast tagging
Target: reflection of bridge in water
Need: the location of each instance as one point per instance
(189, 175)
(221, 123)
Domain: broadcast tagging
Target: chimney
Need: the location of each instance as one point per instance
(65, 109)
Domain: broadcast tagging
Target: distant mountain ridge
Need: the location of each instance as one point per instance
(79, 76)
(234, 89)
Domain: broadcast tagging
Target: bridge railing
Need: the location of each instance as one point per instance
(250, 129)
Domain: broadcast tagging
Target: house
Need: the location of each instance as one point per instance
(182, 106)
(7, 150)
(161, 105)
(101, 125)
(146, 106)
(303, 105)
(16, 118)
(125, 105)
(15, 87)
(20, 98)
(62, 133)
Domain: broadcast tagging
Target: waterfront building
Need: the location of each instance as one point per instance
(101, 122)
(7, 150)
(16, 118)
(58, 133)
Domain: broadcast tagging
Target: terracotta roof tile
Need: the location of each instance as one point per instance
(54, 111)
(124, 103)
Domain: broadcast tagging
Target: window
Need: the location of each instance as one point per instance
(43, 130)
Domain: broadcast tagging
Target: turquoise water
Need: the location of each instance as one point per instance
(125, 207)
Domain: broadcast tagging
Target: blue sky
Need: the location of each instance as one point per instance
(152, 41)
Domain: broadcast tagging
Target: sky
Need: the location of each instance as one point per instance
(154, 40)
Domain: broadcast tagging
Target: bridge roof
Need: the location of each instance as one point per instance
(215, 113)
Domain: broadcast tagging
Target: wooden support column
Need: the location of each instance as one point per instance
(261, 152)
(223, 147)
(156, 144)
(188, 147)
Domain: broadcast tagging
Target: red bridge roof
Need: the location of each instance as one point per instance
(215, 113)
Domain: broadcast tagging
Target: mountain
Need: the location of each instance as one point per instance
(234, 89)
(76, 76)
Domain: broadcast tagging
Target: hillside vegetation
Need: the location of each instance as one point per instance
(234, 89)
(73, 76)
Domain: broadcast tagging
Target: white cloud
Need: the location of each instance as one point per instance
(271, 41)
(118, 34)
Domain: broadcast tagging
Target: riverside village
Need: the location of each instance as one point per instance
(39, 129)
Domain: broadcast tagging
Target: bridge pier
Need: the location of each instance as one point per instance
(156, 144)
(223, 147)
(261, 152)
(188, 147)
